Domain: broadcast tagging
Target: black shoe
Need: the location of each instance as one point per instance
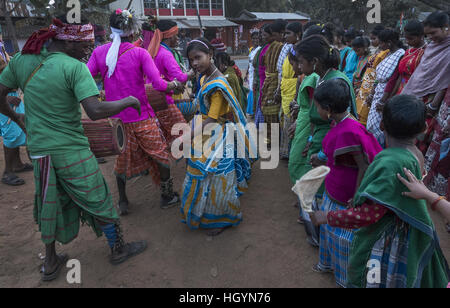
(122, 253)
(123, 209)
(167, 203)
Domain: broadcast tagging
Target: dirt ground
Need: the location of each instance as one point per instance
(268, 250)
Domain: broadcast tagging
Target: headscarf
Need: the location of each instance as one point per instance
(60, 31)
(218, 45)
(132, 26)
(433, 73)
(158, 37)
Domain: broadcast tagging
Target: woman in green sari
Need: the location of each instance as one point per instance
(225, 66)
(319, 62)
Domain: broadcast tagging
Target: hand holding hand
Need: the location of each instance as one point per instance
(318, 218)
(315, 161)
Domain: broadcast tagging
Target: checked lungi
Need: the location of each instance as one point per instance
(167, 119)
(335, 245)
(70, 188)
(146, 148)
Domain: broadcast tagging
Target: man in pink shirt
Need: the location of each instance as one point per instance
(124, 69)
(169, 63)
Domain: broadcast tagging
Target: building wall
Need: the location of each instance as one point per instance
(136, 6)
(250, 25)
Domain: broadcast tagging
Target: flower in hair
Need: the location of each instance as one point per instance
(118, 11)
(126, 14)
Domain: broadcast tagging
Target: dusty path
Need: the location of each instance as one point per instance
(267, 250)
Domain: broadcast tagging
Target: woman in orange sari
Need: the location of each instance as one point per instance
(365, 94)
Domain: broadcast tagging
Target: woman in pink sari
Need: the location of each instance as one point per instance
(348, 149)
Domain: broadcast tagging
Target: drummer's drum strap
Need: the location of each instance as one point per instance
(31, 76)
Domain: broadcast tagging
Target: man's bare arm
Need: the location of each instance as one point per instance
(97, 110)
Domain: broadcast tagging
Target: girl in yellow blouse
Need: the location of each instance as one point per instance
(217, 178)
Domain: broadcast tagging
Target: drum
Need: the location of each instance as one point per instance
(155, 98)
(106, 137)
(188, 108)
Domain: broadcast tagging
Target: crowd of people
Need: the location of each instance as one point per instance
(372, 110)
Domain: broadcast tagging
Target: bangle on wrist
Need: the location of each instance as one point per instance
(322, 157)
(432, 108)
(436, 202)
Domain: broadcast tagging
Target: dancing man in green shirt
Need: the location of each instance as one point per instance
(69, 185)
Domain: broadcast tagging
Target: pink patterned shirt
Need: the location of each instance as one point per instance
(133, 64)
(169, 69)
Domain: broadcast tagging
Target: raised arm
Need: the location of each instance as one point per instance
(174, 71)
(153, 74)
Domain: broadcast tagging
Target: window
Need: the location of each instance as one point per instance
(203, 4)
(217, 4)
(149, 4)
(164, 4)
(178, 4)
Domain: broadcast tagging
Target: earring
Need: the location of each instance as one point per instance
(212, 61)
(314, 68)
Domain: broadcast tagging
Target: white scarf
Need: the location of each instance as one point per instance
(113, 52)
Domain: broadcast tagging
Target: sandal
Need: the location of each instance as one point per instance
(317, 269)
(62, 260)
(12, 180)
(101, 161)
(25, 168)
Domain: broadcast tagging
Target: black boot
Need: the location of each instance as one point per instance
(169, 198)
(122, 251)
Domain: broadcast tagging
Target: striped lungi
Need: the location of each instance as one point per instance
(146, 148)
(70, 187)
(168, 118)
(334, 245)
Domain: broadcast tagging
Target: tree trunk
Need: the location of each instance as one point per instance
(12, 32)
(10, 26)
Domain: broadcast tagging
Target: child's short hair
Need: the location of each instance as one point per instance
(404, 117)
(333, 94)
